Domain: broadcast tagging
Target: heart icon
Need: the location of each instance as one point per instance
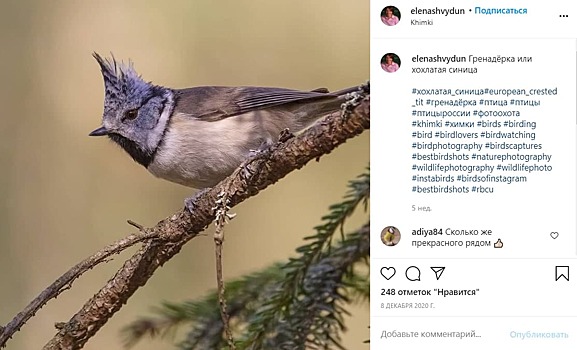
(554, 235)
(388, 272)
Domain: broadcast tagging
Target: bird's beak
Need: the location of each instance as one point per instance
(101, 131)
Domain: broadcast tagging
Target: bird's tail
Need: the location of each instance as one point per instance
(358, 88)
(365, 88)
(324, 106)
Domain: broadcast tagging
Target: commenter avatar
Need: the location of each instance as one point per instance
(390, 236)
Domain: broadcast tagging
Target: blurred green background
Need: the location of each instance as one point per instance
(64, 195)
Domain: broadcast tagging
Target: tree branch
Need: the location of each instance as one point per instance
(172, 233)
(65, 281)
(222, 217)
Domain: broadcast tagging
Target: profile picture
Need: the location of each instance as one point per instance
(390, 16)
(390, 63)
(390, 236)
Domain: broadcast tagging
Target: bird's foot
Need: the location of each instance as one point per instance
(262, 148)
(354, 99)
(285, 135)
(190, 203)
(261, 153)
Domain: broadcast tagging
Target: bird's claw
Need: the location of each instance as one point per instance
(190, 202)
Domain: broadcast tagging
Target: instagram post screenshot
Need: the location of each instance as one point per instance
(473, 161)
(206, 175)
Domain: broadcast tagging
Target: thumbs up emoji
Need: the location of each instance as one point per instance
(498, 244)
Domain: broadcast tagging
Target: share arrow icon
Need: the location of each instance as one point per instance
(438, 270)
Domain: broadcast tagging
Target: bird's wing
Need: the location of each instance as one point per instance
(218, 102)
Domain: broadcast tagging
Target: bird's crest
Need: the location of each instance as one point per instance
(120, 79)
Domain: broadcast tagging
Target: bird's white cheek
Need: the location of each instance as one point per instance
(156, 134)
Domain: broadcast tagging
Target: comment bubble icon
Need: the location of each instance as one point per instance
(413, 273)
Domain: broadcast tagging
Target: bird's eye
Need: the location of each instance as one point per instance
(130, 115)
